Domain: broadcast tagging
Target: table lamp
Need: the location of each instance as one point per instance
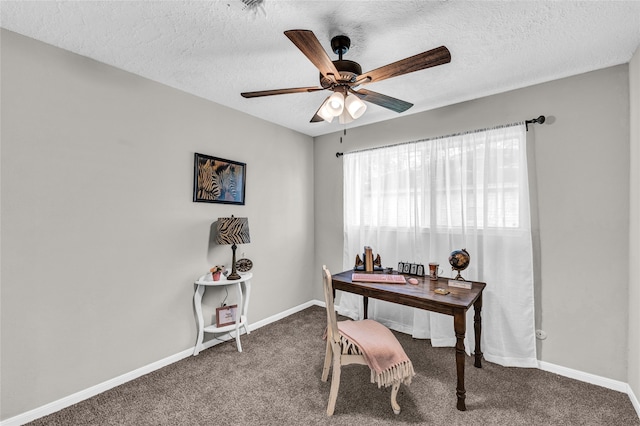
(233, 230)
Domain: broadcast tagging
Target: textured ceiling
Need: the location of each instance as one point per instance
(218, 49)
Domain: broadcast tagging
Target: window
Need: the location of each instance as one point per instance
(452, 182)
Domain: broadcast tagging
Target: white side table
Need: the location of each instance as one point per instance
(241, 313)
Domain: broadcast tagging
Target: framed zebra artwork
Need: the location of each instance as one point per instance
(216, 180)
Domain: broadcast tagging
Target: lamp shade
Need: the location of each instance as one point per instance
(335, 104)
(345, 117)
(324, 111)
(233, 230)
(355, 106)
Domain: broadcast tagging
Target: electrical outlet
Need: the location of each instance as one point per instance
(541, 334)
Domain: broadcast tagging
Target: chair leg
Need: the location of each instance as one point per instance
(335, 385)
(327, 362)
(394, 394)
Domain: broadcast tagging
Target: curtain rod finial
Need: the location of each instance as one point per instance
(538, 120)
(339, 154)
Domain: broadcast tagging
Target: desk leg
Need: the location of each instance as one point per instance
(460, 328)
(197, 303)
(477, 327)
(365, 307)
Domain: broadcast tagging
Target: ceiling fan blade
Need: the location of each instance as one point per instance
(431, 58)
(280, 91)
(316, 119)
(308, 44)
(388, 102)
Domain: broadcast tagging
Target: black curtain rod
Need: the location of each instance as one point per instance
(538, 120)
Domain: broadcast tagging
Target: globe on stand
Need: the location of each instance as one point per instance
(459, 260)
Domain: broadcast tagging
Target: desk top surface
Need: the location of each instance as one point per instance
(422, 295)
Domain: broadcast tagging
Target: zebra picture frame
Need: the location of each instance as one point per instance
(216, 180)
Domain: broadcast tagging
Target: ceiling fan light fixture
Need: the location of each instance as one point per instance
(324, 112)
(345, 117)
(355, 106)
(335, 104)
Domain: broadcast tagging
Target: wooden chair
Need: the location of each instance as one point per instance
(344, 352)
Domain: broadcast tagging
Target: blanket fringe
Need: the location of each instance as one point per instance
(348, 347)
(402, 373)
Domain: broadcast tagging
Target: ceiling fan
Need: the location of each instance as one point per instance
(343, 77)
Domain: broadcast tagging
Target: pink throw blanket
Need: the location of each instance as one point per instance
(381, 350)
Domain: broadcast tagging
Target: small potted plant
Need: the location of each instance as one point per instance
(216, 271)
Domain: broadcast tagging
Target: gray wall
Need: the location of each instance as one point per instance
(582, 176)
(101, 241)
(634, 232)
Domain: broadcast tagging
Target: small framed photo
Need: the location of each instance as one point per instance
(226, 315)
(216, 180)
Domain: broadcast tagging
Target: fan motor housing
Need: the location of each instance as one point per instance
(348, 70)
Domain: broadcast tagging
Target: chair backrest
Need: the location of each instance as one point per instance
(332, 322)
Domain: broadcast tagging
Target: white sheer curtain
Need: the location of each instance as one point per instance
(417, 202)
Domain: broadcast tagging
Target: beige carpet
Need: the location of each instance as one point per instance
(276, 381)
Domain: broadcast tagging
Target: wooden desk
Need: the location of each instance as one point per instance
(422, 296)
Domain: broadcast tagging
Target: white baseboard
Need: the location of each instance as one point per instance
(67, 401)
(117, 381)
(634, 400)
(284, 314)
(584, 377)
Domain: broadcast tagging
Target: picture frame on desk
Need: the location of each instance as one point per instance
(216, 180)
(226, 315)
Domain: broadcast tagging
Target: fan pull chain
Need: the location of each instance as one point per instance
(345, 133)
